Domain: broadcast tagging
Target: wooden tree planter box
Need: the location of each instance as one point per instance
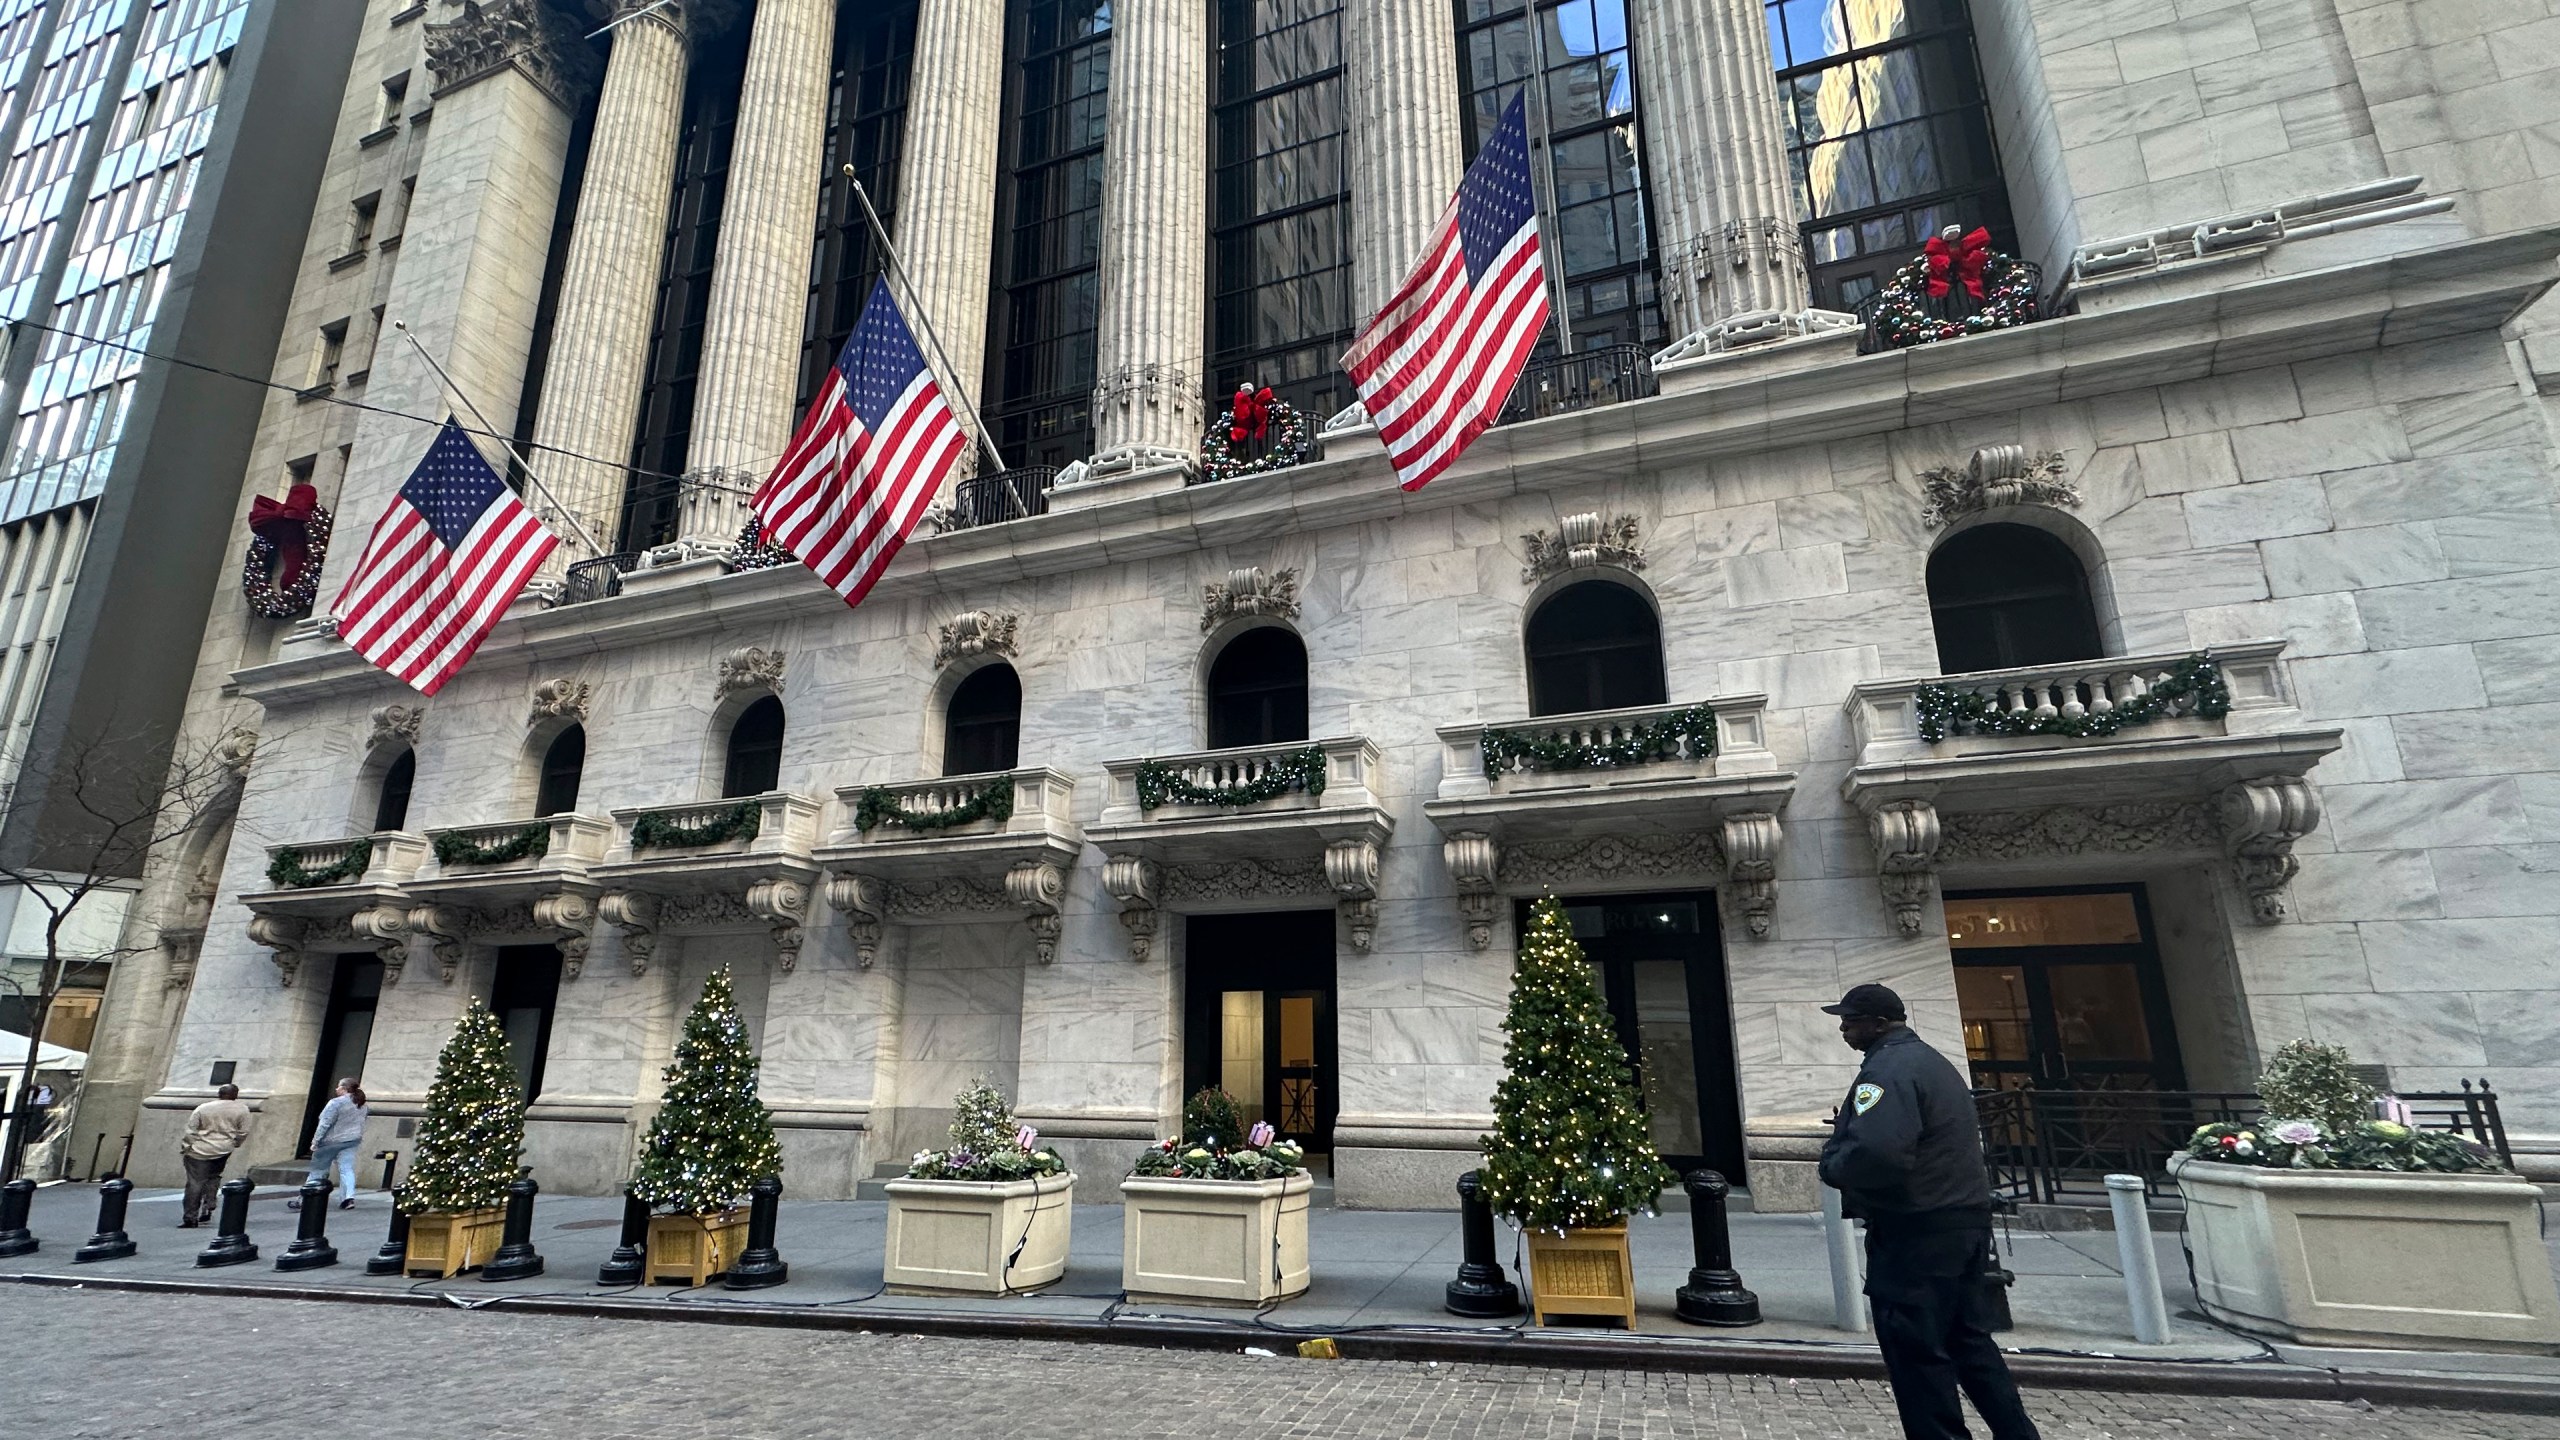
(444, 1243)
(1239, 1241)
(1586, 1271)
(981, 1237)
(692, 1249)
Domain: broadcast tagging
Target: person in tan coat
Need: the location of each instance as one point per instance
(218, 1127)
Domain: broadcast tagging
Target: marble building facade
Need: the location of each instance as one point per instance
(2307, 437)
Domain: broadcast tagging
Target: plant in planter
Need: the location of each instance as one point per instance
(2325, 1225)
(988, 1215)
(1218, 1212)
(712, 1139)
(1569, 1158)
(470, 1146)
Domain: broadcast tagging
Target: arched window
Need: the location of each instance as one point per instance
(1594, 646)
(755, 750)
(562, 766)
(982, 731)
(391, 805)
(1258, 690)
(2002, 596)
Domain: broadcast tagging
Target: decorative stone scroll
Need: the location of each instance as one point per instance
(286, 936)
(1138, 885)
(1581, 542)
(1248, 591)
(560, 698)
(237, 747)
(1475, 860)
(972, 633)
(2253, 825)
(1906, 839)
(635, 914)
(396, 723)
(864, 903)
(750, 667)
(1740, 857)
(448, 932)
(1040, 888)
(1751, 841)
(1351, 869)
(784, 904)
(527, 34)
(2261, 819)
(1996, 475)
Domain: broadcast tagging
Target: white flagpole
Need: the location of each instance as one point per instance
(915, 308)
(456, 392)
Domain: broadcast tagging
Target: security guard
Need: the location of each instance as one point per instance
(1905, 1153)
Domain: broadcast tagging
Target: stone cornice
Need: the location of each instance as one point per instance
(2423, 295)
(488, 36)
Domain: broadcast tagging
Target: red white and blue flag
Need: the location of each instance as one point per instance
(443, 563)
(1435, 365)
(872, 454)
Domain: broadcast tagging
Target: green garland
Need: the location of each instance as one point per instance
(657, 832)
(1943, 710)
(879, 805)
(285, 871)
(454, 848)
(1162, 784)
(1660, 740)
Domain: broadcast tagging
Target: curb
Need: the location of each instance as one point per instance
(2040, 1370)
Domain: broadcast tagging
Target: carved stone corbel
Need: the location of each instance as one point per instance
(1039, 887)
(1351, 870)
(1997, 475)
(1751, 842)
(785, 904)
(396, 723)
(1135, 882)
(1582, 542)
(1247, 591)
(560, 698)
(237, 747)
(750, 667)
(864, 903)
(571, 917)
(285, 935)
(448, 935)
(1906, 836)
(2260, 821)
(384, 929)
(635, 913)
(972, 633)
(1474, 858)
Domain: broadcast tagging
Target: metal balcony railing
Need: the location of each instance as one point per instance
(597, 579)
(1607, 376)
(1016, 494)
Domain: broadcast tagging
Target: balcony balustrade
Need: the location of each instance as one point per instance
(330, 896)
(511, 881)
(711, 864)
(1609, 375)
(955, 847)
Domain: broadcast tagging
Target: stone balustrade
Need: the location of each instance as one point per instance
(390, 857)
(331, 896)
(2044, 705)
(1293, 775)
(567, 841)
(777, 822)
(955, 806)
(953, 848)
(1607, 748)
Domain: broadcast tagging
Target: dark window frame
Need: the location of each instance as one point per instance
(561, 773)
(866, 128)
(982, 731)
(1270, 696)
(393, 790)
(749, 757)
(2020, 609)
(1554, 692)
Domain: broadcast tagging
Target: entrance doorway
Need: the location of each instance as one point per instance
(346, 1032)
(2060, 989)
(1258, 1019)
(1660, 967)
(523, 994)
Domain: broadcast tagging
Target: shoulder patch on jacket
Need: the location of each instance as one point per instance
(1864, 1098)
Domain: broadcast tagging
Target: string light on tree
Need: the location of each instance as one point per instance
(712, 1137)
(471, 1139)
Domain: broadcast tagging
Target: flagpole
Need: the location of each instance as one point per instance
(457, 392)
(1542, 186)
(915, 308)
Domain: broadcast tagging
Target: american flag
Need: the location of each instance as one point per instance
(444, 562)
(873, 452)
(1435, 365)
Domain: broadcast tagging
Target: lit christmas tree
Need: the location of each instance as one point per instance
(471, 1140)
(712, 1137)
(1568, 1147)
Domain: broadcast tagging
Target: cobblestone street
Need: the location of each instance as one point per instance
(100, 1365)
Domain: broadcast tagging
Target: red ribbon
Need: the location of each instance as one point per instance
(285, 524)
(1250, 418)
(1964, 260)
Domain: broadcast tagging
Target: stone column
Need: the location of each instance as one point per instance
(760, 281)
(609, 285)
(1400, 84)
(1153, 276)
(947, 178)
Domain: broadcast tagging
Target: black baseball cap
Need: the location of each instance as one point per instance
(1869, 1002)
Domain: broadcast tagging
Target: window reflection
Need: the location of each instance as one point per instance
(1281, 312)
(866, 125)
(1040, 365)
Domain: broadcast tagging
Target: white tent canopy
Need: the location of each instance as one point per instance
(49, 1056)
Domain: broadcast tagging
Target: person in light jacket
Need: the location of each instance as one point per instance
(335, 1138)
(218, 1127)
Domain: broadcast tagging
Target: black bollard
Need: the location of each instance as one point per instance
(1995, 1284)
(1481, 1289)
(15, 1238)
(311, 1249)
(231, 1229)
(110, 1243)
(762, 1265)
(629, 1264)
(393, 1257)
(516, 1258)
(1714, 1294)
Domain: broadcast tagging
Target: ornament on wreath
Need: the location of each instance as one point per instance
(754, 552)
(1998, 291)
(288, 544)
(1255, 422)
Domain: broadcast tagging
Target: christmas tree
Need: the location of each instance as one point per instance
(471, 1140)
(1568, 1147)
(712, 1137)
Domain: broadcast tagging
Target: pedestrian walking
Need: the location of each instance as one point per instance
(334, 1140)
(216, 1130)
(1905, 1153)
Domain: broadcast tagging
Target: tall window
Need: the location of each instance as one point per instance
(1594, 646)
(1591, 150)
(1040, 358)
(523, 992)
(755, 751)
(2003, 596)
(866, 123)
(982, 731)
(1887, 133)
(391, 802)
(564, 765)
(1258, 690)
(1281, 214)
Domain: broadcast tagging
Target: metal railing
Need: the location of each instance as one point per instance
(1016, 494)
(1605, 376)
(597, 579)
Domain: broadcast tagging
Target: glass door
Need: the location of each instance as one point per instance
(2061, 990)
(346, 1033)
(1258, 1019)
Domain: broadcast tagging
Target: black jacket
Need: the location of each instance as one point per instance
(1905, 1152)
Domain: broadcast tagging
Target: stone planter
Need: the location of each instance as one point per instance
(1243, 1242)
(982, 1237)
(2369, 1257)
(692, 1249)
(1584, 1271)
(444, 1243)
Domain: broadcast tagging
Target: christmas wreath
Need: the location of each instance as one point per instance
(754, 552)
(1285, 437)
(2002, 288)
(288, 543)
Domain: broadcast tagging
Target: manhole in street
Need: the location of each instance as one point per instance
(586, 1224)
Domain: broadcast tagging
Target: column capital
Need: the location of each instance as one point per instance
(489, 36)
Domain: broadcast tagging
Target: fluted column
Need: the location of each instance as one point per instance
(760, 279)
(947, 176)
(1153, 276)
(1400, 75)
(609, 285)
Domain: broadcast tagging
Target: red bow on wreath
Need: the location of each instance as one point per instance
(285, 524)
(1250, 419)
(1965, 259)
